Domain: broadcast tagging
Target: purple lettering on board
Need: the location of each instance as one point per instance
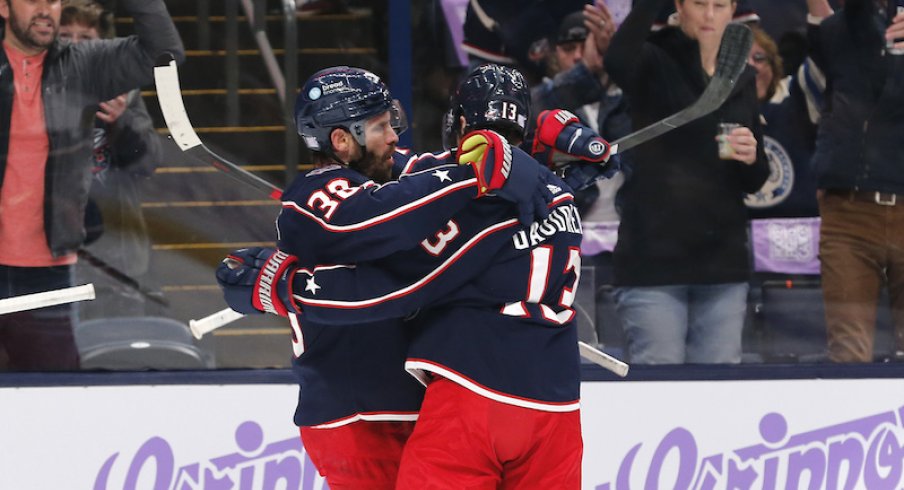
(867, 452)
(256, 464)
(158, 449)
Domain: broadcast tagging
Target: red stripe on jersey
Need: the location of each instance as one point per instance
(439, 157)
(363, 225)
(368, 417)
(412, 287)
(560, 199)
(470, 384)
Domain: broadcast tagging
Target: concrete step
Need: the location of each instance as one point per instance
(196, 214)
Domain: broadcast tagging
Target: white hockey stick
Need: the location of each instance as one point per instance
(169, 94)
(602, 359)
(46, 298)
(212, 322)
(730, 63)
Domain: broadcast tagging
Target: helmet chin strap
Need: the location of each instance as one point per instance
(335, 157)
(331, 152)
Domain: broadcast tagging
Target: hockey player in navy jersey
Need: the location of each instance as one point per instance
(471, 242)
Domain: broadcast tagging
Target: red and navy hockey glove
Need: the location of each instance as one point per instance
(575, 151)
(258, 280)
(561, 138)
(490, 155)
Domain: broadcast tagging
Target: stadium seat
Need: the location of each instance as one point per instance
(138, 343)
(791, 322)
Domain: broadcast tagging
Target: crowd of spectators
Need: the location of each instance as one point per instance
(819, 100)
(816, 139)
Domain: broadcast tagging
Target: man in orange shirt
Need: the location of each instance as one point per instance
(46, 87)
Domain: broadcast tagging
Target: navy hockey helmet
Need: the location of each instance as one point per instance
(490, 97)
(342, 97)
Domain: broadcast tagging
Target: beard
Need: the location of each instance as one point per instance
(23, 31)
(375, 166)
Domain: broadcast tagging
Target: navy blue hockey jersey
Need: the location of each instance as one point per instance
(349, 373)
(499, 319)
(336, 212)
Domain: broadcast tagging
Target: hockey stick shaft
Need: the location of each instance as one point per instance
(730, 63)
(47, 298)
(169, 95)
(212, 322)
(120, 276)
(602, 359)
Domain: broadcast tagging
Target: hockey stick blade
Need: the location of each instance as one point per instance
(169, 95)
(730, 63)
(602, 359)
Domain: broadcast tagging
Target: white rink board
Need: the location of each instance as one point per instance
(773, 434)
(749, 434)
(195, 437)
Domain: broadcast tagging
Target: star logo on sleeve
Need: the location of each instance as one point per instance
(311, 286)
(442, 175)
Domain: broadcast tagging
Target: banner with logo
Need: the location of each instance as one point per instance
(786, 245)
(800, 434)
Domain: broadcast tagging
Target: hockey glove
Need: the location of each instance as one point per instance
(561, 138)
(490, 155)
(258, 280)
(526, 188)
(581, 175)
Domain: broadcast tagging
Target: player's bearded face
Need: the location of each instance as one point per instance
(380, 143)
(34, 24)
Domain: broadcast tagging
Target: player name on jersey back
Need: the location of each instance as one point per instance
(560, 219)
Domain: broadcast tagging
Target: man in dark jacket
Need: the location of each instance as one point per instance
(49, 93)
(859, 161)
